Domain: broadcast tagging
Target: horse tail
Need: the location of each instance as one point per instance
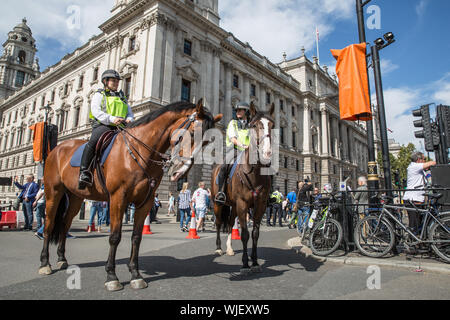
(58, 226)
(227, 222)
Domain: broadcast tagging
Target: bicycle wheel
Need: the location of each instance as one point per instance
(325, 238)
(439, 233)
(374, 237)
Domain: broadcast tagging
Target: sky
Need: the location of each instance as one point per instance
(415, 69)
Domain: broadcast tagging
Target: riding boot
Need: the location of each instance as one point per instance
(85, 179)
(221, 198)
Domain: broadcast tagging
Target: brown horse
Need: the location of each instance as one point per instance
(132, 173)
(249, 188)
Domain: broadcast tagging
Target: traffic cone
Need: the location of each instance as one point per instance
(235, 232)
(193, 228)
(92, 227)
(146, 229)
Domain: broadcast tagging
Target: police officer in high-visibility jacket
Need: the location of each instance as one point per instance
(276, 198)
(237, 141)
(109, 109)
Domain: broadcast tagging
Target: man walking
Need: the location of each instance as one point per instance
(277, 197)
(29, 192)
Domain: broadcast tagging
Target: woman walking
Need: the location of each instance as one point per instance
(184, 204)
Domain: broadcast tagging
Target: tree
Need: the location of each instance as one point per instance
(400, 163)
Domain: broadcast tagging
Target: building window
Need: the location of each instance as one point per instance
(267, 97)
(20, 78)
(22, 56)
(294, 139)
(127, 87)
(66, 89)
(285, 186)
(282, 135)
(132, 44)
(236, 81)
(297, 165)
(42, 100)
(281, 105)
(286, 162)
(95, 76)
(293, 111)
(252, 90)
(188, 47)
(80, 82)
(76, 117)
(185, 90)
(53, 96)
(24, 159)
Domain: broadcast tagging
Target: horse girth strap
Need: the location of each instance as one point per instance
(248, 183)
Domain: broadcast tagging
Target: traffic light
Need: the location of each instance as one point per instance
(397, 179)
(425, 123)
(443, 114)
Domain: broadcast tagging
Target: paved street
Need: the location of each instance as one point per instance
(180, 269)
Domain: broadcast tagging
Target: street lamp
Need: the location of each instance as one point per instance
(379, 45)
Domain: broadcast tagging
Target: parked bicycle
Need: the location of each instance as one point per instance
(375, 234)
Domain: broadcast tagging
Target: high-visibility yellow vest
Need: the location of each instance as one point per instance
(277, 195)
(113, 106)
(243, 135)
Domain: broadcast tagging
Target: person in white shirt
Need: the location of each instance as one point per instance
(416, 179)
(199, 199)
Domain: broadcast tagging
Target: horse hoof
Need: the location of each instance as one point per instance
(245, 271)
(230, 253)
(219, 252)
(62, 265)
(138, 284)
(113, 286)
(256, 269)
(47, 270)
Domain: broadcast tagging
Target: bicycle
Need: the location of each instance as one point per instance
(375, 234)
(326, 233)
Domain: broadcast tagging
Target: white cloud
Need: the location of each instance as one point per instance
(273, 27)
(387, 66)
(48, 19)
(421, 7)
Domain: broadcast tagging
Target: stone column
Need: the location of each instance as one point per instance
(216, 82)
(227, 89)
(289, 120)
(145, 27)
(276, 97)
(324, 128)
(262, 97)
(306, 128)
(169, 63)
(246, 93)
(344, 141)
(4, 140)
(156, 53)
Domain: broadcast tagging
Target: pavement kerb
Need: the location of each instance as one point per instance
(294, 243)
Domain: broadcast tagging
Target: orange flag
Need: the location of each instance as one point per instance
(38, 141)
(351, 68)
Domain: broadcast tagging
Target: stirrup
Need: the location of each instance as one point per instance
(221, 198)
(85, 180)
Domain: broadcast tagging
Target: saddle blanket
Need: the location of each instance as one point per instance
(233, 168)
(75, 161)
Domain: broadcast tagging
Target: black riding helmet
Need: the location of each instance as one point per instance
(110, 74)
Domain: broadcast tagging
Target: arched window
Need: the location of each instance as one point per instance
(22, 56)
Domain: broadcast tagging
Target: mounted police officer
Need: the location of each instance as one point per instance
(109, 109)
(237, 141)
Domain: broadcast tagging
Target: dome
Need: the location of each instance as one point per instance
(22, 27)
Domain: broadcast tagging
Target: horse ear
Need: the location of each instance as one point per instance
(200, 110)
(272, 109)
(218, 118)
(253, 110)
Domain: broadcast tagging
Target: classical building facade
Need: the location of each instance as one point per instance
(171, 50)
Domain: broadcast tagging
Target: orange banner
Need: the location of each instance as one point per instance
(38, 141)
(351, 68)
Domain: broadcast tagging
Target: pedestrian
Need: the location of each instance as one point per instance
(277, 197)
(39, 204)
(416, 180)
(316, 194)
(292, 198)
(184, 200)
(96, 209)
(284, 208)
(171, 208)
(154, 210)
(28, 195)
(104, 217)
(199, 199)
(361, 196)
(129, 214)
(302, 208)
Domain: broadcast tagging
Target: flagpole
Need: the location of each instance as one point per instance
(317, 44)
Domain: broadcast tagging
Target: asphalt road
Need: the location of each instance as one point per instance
(179, 269)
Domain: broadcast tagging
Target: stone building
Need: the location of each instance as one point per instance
(171, 50)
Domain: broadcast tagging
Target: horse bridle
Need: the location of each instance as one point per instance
(167, 160)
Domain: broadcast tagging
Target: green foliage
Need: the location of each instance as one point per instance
(400, 163)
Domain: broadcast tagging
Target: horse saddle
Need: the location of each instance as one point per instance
(102, 149)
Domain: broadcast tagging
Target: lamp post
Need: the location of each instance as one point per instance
(379, 45)
(372, 174)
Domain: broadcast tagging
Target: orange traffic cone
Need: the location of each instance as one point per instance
(193, 228)
(146, 229)
(91, 228)
(235, 232)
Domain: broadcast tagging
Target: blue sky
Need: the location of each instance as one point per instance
(416, 69)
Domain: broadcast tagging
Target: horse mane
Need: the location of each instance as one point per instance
(174, 107)
(259, 115)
